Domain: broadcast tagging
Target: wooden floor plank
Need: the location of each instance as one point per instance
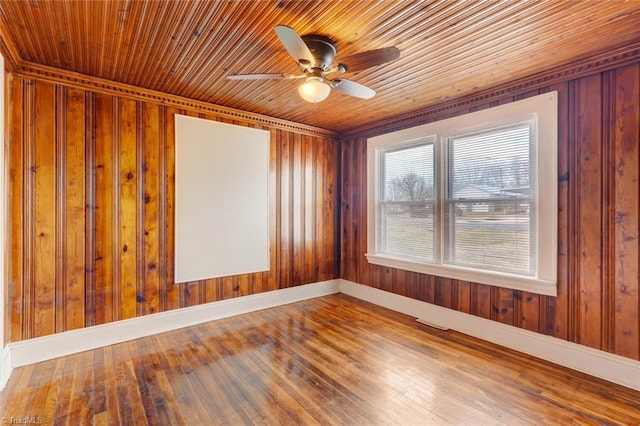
(333, 360)
(111, 413)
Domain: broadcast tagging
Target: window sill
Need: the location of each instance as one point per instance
(498, 279)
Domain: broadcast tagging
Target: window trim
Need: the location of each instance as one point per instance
(543, 108)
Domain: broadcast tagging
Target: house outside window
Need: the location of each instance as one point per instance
(471, 198)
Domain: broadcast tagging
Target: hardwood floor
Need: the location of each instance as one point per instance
(330, 360)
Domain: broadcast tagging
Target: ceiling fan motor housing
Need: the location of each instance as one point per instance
(322, 49)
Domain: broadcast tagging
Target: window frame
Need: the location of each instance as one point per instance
(429, 140)
(447, 198)
(543, 109)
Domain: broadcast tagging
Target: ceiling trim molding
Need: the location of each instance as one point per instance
(595, 64)
(69, 78)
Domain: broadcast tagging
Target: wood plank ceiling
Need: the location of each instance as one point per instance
(449, 48)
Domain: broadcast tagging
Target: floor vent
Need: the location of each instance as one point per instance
(431, 324)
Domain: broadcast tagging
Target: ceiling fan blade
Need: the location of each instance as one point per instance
(370, 58)
(352, 88)
(263, 76)
(294, 45)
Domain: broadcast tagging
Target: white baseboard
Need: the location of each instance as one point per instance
(48, 347)
(5, 367)
(611, 367)
(614, 368)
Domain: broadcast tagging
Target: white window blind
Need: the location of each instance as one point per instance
(407, 201)
(490, 203)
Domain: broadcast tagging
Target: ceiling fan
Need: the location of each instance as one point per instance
(315, 56)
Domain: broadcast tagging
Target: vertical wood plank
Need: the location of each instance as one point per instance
(17, 205)
(128, 208)
(444, 292)
(464, 297)
(310, 193)
(413, 285)
(360, 259)
(210, 290)
(172, 293)
(229, 287)
(608, 210)
(376, 276)
(346, 222)
(60, 201)
(554, 317)
(483, 307)
(399, 285)
(74, 211)
(356, 225)
(627, 162)
(141, 283)
(504, 306)
(286, 204)
(429, 284)
(331, 218)
(105, 184)
(588, 210)
(44, 170)
(320, 230)
(386, 279)
(163, 287)
(242, 285)
(529, 311)
(151, 199)
(190, 293)
(90, 210)
(297, 210)
(275, 190)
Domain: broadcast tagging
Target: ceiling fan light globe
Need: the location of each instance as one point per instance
(314, 91)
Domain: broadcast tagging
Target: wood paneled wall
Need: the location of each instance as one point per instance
(598, 209)
(90, 211)
(90, 208)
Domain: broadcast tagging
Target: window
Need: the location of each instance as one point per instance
(489, 204)
(470, 198)
(407, 201)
